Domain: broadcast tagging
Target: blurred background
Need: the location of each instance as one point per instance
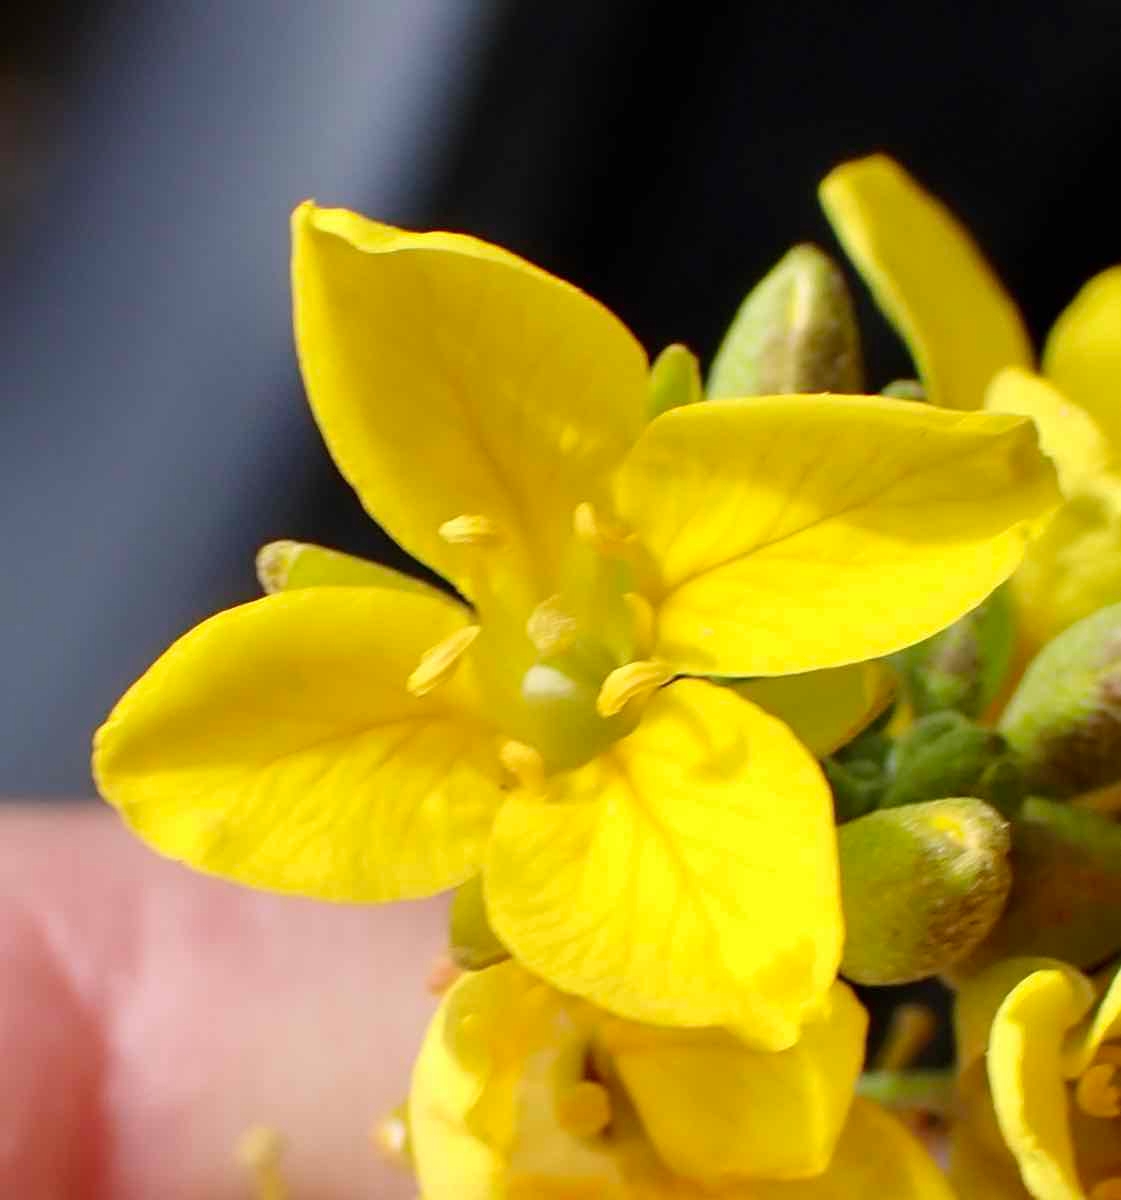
(663, 156)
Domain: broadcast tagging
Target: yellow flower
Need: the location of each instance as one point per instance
(522, 1093)
(972, 351)
(1048, 1042)
(666, 851)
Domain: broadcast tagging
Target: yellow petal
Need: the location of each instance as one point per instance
(276, 745)
(283, 566)
(876, 1157)
(450, 377)
(979, 997)
(1104, 1025)
(928, 277)
(1028, 1087)
(1083, 352)
(825, 709)
(1074, 567)
(978, 1172)
(715, 1108)
(688, 877)
(798, 532)
(1068, 435)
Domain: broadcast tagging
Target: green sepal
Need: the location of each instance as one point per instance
(964, 666)
(946, 754)
(1064, 719)
(675, 380)
(1066, 892)
(921, 887)
(795, 332)
(472, 943)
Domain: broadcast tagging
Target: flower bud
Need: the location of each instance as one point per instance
(795, 332)
(675, 380)
(1064, 719)
(1066, 892)
(964, 666)
(472, 942)
(945, 754)
(905, 389)
(921, 887)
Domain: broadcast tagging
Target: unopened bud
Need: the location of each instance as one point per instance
(946, 754)
(795, 332)
(675, 380)
(1064, 719)
(1066, 892)
(905, 389)
(921, 887)
(472, 942)
(285, 566)
(964, 666)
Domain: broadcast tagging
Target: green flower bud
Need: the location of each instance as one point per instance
(858, 787)
(921, 887)
(964, 666)
(905, 389)
(1066, 891)
(472, 942)
(675, 380)
(946, 754)
(1064, 719)
(795, 332)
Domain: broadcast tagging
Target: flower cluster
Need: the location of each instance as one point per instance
(641, 724)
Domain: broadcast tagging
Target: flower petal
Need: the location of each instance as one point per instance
(1103, 1026)
(276, 745)
(1083, 352)
(1068, 435)
(714, 1108)
(284, 566)
(798, 532)
(1026, 1077)
(688, 877)
(450, 377)
(928, 277)
(825, 709)
(876, 1156)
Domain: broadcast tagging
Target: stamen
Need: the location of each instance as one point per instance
(260, 1150)
(471, 529)
(274, 562)
(391, 1137)
(584, 1109)
(1107, 1189)
(550, 628)
(642, 620)
(524, 763)
(438, 664)
(635, 680)
(590, 527)
(909, 1032)
(1096, 1093)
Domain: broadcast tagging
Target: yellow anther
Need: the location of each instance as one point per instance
(584, 1109)
(1096, 1093)
(260, 1150)
(634, 681)
(274, 562)
(550, 628)
(642, 621)
(589, 526)
(524, 763)
(437, 665)
(1107, 1189)
(471, 529)
(391, 1137)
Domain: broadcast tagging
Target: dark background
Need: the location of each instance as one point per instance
(663, 156)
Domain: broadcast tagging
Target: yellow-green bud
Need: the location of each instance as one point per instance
(795, 332)
(472, 942)
(921, 887)
(675, 380)
(905, 389)
(946, 754)
(1066, 891)
(964, 666)
(1064, 719)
